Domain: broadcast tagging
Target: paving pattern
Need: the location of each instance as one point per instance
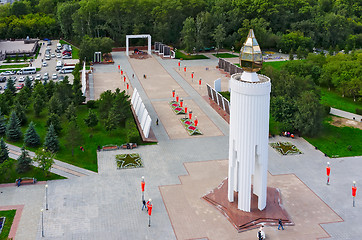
(107, 205)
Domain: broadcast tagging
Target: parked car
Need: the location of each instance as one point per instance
(20, 86)
(61, 78)
(1, 87)
(13, 78)
(45, 64)
(67, 52)
(2, 79)
(58, 50)
(45, 77)
(47, 57)
(52, 55)
(31, 78)
(7, 73)
(21, 79)
(54, 76)
(59, 55)
(38, 77)
(67, 57)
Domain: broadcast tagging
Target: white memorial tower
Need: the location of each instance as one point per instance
(249, 128)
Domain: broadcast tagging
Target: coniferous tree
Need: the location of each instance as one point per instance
(92, 119)
(20, 113)
(55, 105)
(73, 135)
(51, 142)
(13, 131)
(39, 104)
(28, 84)
(10, 84)
(4, 152)
(70, 113)
(24, 161)
(54, 120)
(31, 138)
(2, 124)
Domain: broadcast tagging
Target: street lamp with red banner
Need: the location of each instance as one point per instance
(190, 114)
(119, 67)
(200, 82)
(196, 121)
(177, 98)
(184, 68)
(192, 77)
(173, 94)
(185, 109)
(179, 64)
(328, 168)
(121, 72)
(149, 207)
(143, 188)
(354, 191)
(181, 102)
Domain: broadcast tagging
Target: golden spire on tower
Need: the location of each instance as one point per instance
(251, 59)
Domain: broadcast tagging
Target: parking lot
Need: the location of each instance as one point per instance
(49, 70)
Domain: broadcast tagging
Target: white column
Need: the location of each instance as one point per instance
(127, 46)
(149, 44)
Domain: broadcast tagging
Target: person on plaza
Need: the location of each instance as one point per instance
(18, 181)
(260, 236)
(144, 205)
(280, 224)
(157, 122)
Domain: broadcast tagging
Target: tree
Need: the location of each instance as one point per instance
(45, 159)
(105, 104)
(92, 119)
(111, 121)
(73, 135)
(219, 35)
(54, 120)
(10, 84)
(4, 152)
(13, 131)
(70, 113)
(55, 105)
(2, 124)
(188, 34)
(78, 97)
(64, 20)
(51, 142)
(39, 104)
(31, 138)
(28, 84)
(20, 113)
(24, 161)
(309, 116)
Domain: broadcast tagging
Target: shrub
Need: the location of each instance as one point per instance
(92, 104)
(133, 135)
(359, 111)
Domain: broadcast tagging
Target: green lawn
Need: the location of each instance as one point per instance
(335, 141)
(9, 215)
(99, 136)
(225, 55)
(75, 50)
(13, 69)
(189, 57)
(276, 64)
(335, 100)
(14, 66)
(33, 172)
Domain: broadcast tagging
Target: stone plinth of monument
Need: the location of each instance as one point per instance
(244, 221)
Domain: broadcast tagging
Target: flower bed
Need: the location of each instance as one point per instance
(190, 127)
(177, 108)
(285, 148)
(110, 147)
(132, 160)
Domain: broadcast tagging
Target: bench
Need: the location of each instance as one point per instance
(25, 181)
(129, 145)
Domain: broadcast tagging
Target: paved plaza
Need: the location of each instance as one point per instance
(179, 170)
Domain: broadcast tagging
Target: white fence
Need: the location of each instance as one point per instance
(141, 112)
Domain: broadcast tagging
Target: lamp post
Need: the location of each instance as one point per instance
(190, 114)
(192, 77)
(181, 102)
(143, 188)
(127, 87)
(119, 67)
(121, 72)
(185, 109)
(177, 98)
(124, 79)
(328, 168)
(46, 197)
(179, 65)
(354, 190)
(196, 121)
(149, 207)
(42, 222)
(173, 94)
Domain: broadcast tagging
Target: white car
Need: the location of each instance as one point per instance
(59, 55)
(67, 57)
(45, 64)
(31, 78)
(38, 77)
(21, 79)
(54, 76)
(45, 77)
(47, 57)
(52, 55)
(6, 73)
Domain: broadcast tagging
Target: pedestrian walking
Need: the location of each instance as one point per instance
(132, 75)
(144, 206)
(260, 236)
(280, 224)
(157, 122)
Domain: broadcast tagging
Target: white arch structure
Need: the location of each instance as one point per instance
(138, 36)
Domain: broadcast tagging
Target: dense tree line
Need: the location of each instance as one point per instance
(295, 97)
(285, 25)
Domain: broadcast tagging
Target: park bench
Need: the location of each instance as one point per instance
(2, 222)
(129, 145)
(109, 148)
(25, 180)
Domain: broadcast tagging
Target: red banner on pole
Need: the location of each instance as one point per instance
(119, 67)
(143, 186)
(196, 122)
(354, 190)
(328, 171)
(121, 72)
(149, 206)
